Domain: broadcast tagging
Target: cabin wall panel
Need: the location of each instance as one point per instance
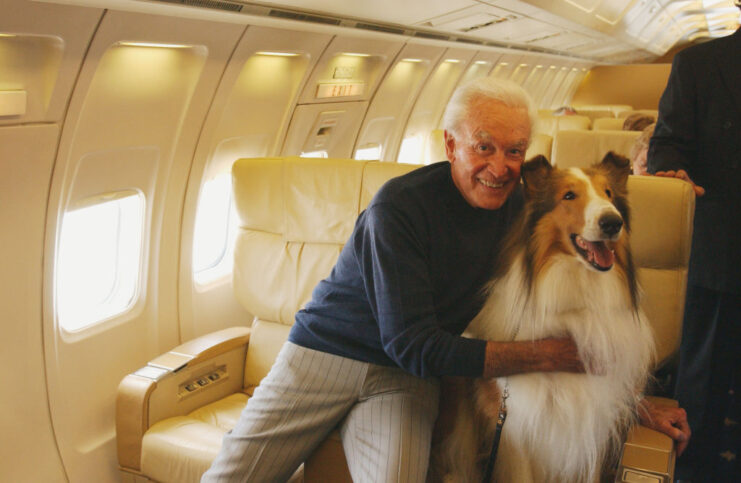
(388, 112)
(27, 449)
(249, 118)
(133, 121)
(639, 85)
(42, 55)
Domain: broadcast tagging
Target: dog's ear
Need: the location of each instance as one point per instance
(617, 167)
(534, 172)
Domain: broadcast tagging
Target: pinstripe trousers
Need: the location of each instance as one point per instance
(384, 414)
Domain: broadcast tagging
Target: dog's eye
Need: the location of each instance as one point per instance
(570, 195)
(608, 193)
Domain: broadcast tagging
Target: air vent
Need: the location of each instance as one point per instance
(487, 24)
(379, 28)
(304, 17)
(214, 4)
(427, 35)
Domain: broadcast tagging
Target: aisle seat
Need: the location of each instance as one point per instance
(295, 215)
(583, 148)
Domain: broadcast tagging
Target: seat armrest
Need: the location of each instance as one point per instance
(175, 383)
(648, 456)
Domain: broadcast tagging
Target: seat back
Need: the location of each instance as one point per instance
(295, 215)
(662, 211)
(540, 144)
(581, 149)
(550, 124)
(648, 112)
(608, 124)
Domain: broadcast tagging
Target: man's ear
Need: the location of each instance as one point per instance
(534, 173)
(449, 145)
(618, 168)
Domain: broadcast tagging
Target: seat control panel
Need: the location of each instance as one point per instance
(197, 384)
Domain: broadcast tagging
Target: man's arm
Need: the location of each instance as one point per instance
(544, 355)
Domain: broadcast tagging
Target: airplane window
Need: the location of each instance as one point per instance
(370, 152)
(99, 260)
(215, 231)
(411, 150)
(314, 154)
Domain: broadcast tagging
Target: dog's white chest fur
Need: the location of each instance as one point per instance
(560, 426)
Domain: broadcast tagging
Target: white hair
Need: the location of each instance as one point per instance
(504, 91)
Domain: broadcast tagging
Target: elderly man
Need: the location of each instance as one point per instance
(366, 352)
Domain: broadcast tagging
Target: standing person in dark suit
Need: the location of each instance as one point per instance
(698, 138)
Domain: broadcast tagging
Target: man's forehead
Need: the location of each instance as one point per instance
(484, 135)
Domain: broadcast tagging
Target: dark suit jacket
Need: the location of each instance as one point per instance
(699, 130)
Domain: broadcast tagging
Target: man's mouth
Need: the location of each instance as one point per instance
(491, 184)
(596, 253)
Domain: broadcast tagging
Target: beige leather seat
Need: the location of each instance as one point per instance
(583, 148)
(550, 124)
(662, 211)
(540, 144)
(295, 216)
(608, 124)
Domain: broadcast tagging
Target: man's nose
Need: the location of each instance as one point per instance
(497, 164)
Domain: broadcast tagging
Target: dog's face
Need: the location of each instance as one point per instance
(580, 212)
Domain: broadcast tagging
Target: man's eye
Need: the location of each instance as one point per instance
(570, 195)
(482, 147)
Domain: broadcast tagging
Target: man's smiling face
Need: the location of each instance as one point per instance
(488, 151)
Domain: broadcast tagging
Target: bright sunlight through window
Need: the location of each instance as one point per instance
(99, 261)
(215, 231)
(411, 150)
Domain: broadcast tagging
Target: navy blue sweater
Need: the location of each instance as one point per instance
(410, 279)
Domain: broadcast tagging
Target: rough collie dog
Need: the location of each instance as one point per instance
(566, 269)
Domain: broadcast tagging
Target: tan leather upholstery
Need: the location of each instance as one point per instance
(540, 144)
(295, 215)
(595, 111)
(550, 124)
(584, 148)
(608, 124)
(662, 211)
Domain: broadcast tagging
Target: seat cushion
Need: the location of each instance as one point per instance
(181, 449)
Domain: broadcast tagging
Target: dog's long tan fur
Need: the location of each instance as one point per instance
(560, 426)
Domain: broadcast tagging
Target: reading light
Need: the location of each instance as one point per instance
(278, 54)
(453, 61)
(354, 54)
(482, 62)
(411, 60)
(153, 44)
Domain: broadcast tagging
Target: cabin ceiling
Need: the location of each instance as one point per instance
(603, 31)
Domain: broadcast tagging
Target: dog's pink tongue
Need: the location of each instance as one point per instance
(600, 254)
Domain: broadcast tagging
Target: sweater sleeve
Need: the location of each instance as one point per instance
(393, 258)
(673, 145)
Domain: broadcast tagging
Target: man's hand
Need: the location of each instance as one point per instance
(668, 420)
(543, 355)
(682, 174)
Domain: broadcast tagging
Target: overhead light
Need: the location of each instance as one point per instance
(481, 62)
(411, 60)
(453, 61)
(278, 54)
(7, 35)
(154, 44)
(355, 54)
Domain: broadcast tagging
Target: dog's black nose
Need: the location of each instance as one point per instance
(610, 224)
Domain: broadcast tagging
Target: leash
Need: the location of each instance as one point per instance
(497, 435)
